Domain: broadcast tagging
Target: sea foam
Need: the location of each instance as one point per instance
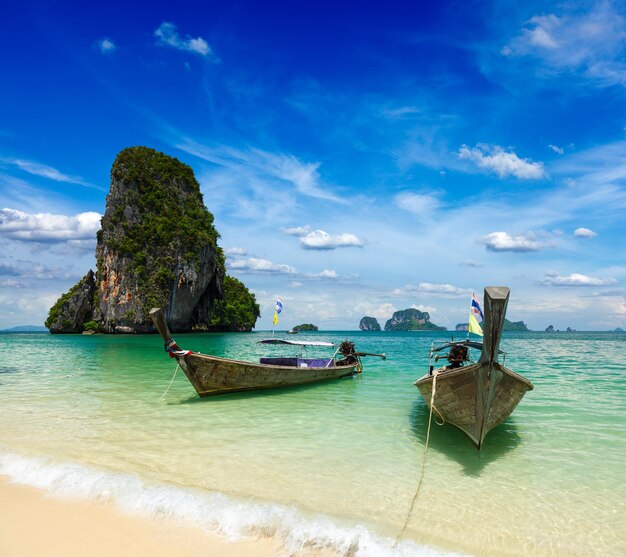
(214, 512)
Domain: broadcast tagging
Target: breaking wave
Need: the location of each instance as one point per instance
(214, 512)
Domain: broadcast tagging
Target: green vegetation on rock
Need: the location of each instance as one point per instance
(238, 310)
(411, 319)
(369, 324)
(73, 307)
(160, 206)
(514, 326)
(305, 327)
(53, 314)
(157, 247)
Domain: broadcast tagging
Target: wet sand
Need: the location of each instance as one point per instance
(35, 524)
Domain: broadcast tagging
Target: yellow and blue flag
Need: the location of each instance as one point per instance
(476, 317)
(277, 310)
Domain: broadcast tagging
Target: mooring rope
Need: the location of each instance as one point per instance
(419, 483)
(171, 381)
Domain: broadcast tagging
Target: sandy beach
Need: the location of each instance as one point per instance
(35, 524)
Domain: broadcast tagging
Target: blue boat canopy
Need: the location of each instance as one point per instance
(296, 342)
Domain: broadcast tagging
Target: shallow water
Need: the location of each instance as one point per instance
(333, 464)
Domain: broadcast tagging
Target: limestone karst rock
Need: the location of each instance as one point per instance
(157, 247)
(369, 324)
(411, 319)
(74, 308)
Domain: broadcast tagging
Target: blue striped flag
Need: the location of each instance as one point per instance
(476, 317)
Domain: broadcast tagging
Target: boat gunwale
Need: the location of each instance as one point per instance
(464, 369)
(259, 365)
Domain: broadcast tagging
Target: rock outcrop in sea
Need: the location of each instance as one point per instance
(411, 320)
(514, 326)
(461, 327)
(73, 308)
(305, 327)
(157, 247)
(369, 324)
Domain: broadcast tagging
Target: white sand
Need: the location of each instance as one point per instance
(34, 524)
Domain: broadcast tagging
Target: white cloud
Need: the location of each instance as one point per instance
(297, 230)
(265, 167)
(328, 273)
(576, 279)
(423, 308)
(12, 283)
(322, 240)
(20, 268)
(494, 158)
(501, 241)
(254, 265)
(584, 233)
(304, 176)
(417, 203)
(590, 43)
(382, 312)
(46, 227)
(557, 149)
(167, 35)
(46, 171)
(446, 290)
(235, 251)
(106, 46)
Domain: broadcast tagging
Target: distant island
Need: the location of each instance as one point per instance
(508, 326)
(514, 325)
(551, 329)
(369, 324)
(26, 329)
(305, 327)
(411, 319)
(157, 247)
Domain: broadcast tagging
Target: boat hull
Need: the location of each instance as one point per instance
(475, 398)
(211, 375)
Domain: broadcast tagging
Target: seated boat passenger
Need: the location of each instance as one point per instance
(456, 357)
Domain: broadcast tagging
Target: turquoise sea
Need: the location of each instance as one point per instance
(333, 465)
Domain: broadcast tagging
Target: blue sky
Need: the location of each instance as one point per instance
(359, 158)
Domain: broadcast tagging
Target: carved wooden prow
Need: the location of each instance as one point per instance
(159, 322)
(495, 303)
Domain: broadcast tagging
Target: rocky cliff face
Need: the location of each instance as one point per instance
(74, 308)
(411, 320)
(157, 248)
(369, 324)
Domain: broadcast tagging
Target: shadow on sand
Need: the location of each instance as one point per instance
(454, 444)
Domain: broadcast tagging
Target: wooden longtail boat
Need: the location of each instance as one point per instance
(211, 375)
(476, 396)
